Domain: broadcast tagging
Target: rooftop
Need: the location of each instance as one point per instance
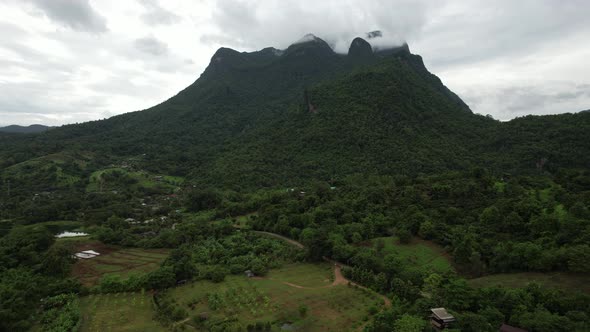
(442, 314)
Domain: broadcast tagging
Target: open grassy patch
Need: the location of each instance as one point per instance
(558, 280)
(271, 299)
(306, 275)
(115, 261)
(421, 253)
(118, 312)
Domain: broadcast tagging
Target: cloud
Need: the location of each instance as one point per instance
(75, 14)
(156, 14)
(505, 102)
(257, 24)
(151, 45)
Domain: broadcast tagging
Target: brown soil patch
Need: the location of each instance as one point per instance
(86, 269)
(97, 246)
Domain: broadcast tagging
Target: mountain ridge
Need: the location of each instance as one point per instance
(34, 128)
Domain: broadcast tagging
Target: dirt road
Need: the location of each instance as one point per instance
(291, 241)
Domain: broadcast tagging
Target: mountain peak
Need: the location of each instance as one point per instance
(310, 37)
(360, 48)
(309, 44)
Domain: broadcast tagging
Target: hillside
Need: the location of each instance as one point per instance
(283, 117)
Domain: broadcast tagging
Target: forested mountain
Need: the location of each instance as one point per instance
(282, 117)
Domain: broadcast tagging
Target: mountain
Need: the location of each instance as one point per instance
(275, 118)
(36, 128)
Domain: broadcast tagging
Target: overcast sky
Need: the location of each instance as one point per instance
(66, 61)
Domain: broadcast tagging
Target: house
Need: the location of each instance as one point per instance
(86, 254)
(508, 328)
(441, 319)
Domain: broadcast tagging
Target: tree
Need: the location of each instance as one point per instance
(392, 265)
(490, 216)
(404, 235)
(469, 321)
(303, 310)
(163, 277)
(198, 200)
(427, 230)
(58, 259)
(409, 323)
(579, 258)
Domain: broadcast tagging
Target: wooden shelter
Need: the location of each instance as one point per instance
(441, 319)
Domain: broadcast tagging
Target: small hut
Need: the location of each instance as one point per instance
(441, 319)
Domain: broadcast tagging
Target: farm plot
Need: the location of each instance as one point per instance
(113, 260)
(319, 306)
(418, 252)
(118, 312)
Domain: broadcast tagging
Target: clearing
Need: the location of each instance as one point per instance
(418, 252)
(278, 297)
(328, 305)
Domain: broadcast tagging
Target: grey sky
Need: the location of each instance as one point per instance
(65, 61)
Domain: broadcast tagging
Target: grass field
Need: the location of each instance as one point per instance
(270, 299)
(418, 252)
(118, 312)
(115, 261)
(558, 280)
(306, 275)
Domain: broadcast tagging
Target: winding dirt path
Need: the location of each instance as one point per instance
(291, 241)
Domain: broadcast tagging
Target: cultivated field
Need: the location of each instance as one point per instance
(118, 312)
(418, 252)
(278, 299)
(114, 260)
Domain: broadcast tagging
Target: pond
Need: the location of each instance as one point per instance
(71, 234)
